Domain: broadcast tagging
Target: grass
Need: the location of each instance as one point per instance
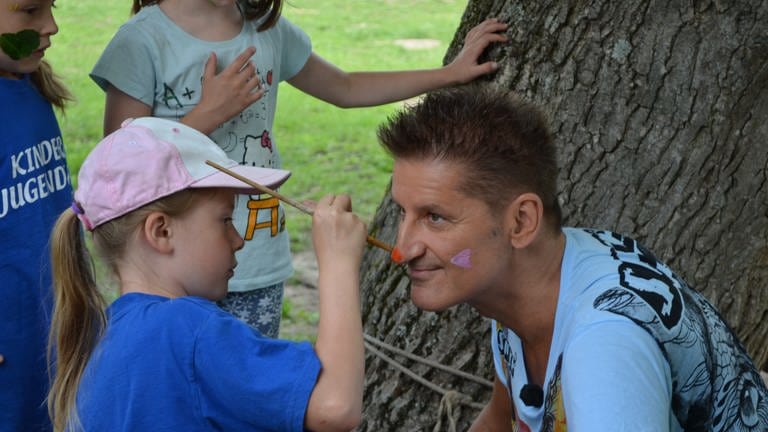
(327, 148)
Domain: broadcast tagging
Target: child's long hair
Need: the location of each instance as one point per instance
(79, 317)
(50, 86)
(251, 9)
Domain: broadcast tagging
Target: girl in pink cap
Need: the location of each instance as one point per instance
(164, 356)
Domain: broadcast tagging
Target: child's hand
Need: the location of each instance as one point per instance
(228, 93)
(465, 66)
(337, 234)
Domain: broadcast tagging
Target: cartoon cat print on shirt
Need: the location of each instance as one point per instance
(264, 211)
(715, 386)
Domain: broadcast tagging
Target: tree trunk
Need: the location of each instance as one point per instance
(660, 115)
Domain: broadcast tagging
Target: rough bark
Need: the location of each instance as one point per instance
(660, 111)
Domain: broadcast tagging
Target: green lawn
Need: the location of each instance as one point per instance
(328, 149)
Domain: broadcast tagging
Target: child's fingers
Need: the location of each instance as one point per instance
(485, 39)
(248, 70)
(310, 204)
(334, 204)
(487, 67)
(490, 26)
(253, 96)
(245, 57)
(209, 71)
(241, 61)
(325, 201)
(343, 202)
(480, 44)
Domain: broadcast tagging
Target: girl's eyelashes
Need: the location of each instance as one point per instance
(29, 10)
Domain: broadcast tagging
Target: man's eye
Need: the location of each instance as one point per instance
(433, 217)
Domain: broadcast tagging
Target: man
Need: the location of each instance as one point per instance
(590, 331)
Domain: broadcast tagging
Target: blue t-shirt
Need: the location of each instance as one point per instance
(185, 365)
(34, 189)
(633, 349)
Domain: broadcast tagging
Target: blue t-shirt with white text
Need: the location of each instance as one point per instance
(34, 189)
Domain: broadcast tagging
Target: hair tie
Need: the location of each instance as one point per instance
(78, 209)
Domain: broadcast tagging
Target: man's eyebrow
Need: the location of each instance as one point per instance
(434, 208)
(427, 207)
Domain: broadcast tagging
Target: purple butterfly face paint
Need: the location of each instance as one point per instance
(463, 259)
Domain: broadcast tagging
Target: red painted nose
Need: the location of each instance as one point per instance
(396, 256)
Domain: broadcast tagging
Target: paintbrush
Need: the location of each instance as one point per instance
(301, 207)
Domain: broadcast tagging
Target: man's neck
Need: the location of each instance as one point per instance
(527, 301)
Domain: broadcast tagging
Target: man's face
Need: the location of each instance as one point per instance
(455, 248)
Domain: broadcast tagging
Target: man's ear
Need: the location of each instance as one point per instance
(157, 232)
(523, 219)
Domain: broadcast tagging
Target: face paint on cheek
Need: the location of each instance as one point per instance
(463, 259)
(396, 255)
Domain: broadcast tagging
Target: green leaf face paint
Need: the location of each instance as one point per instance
(19, 45)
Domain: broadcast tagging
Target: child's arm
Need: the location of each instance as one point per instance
(497, 414)
(224, 95)
(339, 239)
(325, 81)
(120, 106)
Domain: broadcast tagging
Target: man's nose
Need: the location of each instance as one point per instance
(408, 246)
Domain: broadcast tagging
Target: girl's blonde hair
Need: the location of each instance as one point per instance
(79, 317)
(251, 9)
(50, 86)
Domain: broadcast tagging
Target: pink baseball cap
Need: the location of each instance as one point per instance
(150, 158)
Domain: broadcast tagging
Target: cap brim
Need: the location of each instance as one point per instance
(271, 178)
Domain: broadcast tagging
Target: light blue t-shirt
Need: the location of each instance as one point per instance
(153, 60)
(633, 349)
(186, 365)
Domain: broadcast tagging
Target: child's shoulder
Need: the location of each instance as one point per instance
(159, 307)
(148, 16)
(194, 305)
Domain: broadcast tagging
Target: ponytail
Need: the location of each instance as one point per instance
(78, 318)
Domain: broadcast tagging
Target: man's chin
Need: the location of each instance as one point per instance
(422, 300)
